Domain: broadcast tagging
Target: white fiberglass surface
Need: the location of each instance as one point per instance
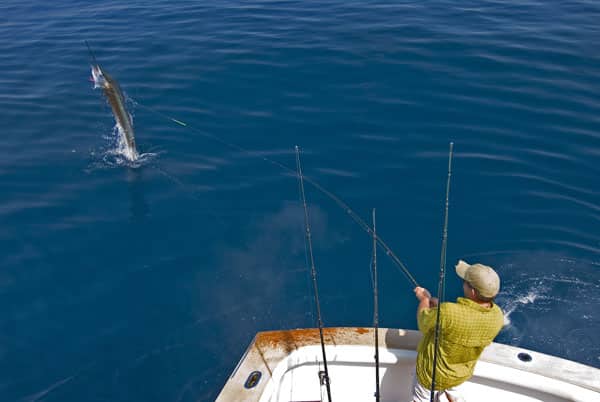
(352, 375)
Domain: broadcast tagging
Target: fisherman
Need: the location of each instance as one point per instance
(466, 328)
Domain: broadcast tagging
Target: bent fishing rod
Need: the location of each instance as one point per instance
(441, 282)
(353, 215)
(376, 308)
(325, 375)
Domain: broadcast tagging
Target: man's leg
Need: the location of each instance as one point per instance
(423, 394)
(420, 393)
(455, 394)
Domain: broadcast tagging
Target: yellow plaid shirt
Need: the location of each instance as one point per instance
(466, 328)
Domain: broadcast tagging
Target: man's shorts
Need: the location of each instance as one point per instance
(422, 394)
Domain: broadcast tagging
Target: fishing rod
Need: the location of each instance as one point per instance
(442, 277)
(375, 308)
(345, 207)
(313, 272)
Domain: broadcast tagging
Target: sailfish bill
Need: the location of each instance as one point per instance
(116, 100)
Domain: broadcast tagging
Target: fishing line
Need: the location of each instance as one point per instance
(353, 215)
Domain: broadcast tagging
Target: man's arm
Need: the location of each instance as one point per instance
(425, 299)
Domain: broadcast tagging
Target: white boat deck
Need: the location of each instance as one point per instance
(284, 365)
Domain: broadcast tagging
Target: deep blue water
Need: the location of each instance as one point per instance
(146, 282)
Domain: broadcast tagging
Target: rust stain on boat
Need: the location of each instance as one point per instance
(294, 339)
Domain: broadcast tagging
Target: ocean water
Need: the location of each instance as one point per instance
(146, 281)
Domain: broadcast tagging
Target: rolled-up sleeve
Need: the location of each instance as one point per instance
(426, 319)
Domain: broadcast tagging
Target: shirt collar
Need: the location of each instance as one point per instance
(472, 304)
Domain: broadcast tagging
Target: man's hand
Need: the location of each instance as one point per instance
(425, 299)
(422, 293)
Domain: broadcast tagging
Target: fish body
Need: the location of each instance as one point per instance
(116, 100)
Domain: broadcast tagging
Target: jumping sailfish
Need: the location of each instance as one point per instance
(116, 100)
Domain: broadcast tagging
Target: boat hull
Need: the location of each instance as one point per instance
(285, 365)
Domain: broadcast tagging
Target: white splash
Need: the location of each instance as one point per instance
(529, 298)
(115, 154)
(122, 148)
